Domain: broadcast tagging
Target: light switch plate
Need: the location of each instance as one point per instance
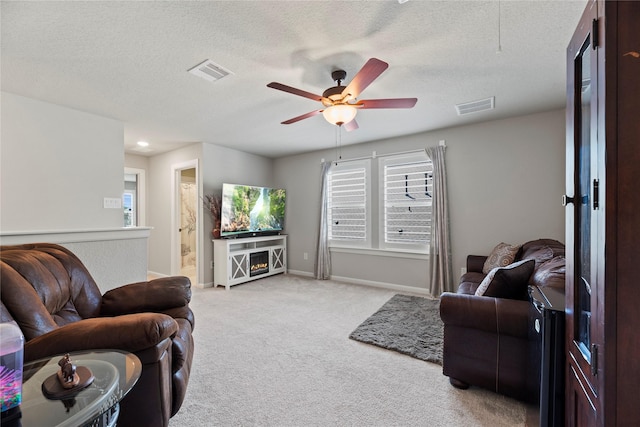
(112, 203)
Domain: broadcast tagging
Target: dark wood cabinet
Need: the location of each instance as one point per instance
(603, 217)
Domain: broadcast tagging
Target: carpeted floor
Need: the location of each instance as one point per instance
(276, 352)
(407, 324)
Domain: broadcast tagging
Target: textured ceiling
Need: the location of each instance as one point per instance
(129, 61)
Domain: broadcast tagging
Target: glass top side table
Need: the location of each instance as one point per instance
(115, 372)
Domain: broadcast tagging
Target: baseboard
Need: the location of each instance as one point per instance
(300, 273)
(384, 285)
(204, 285)
(155, 274)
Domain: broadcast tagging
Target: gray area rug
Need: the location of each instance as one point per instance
(407, 324)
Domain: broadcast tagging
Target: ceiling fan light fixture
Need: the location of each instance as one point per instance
(341, 102)
(339, 114)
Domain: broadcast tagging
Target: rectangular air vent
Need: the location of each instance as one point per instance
(210, 71)
(476, 106)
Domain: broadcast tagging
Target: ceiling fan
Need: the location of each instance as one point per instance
(340, 102)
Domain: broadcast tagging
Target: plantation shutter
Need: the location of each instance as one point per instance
(408, 191)
(347, 190)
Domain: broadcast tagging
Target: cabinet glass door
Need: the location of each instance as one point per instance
(584, 158)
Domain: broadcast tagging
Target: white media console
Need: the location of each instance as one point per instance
(238, 261)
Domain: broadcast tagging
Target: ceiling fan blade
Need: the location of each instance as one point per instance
(387, 103)
(352, 125)
(299, 92)
(368, 73)
(302, 117)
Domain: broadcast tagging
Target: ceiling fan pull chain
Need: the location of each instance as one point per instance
(499, 29)
(338, 143)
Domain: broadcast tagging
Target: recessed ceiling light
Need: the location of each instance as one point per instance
(143, 143)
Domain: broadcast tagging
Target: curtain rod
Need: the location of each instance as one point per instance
(375, 155)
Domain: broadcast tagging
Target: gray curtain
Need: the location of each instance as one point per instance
(440, 248)
(323, 257)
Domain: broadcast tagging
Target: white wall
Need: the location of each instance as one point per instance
(160, 204)
(222, 165)
(57, 165)
(217, 165)
(126, 261)
(135, 161)
(505, 177)
(506, 182)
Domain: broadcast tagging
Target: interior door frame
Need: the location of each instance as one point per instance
(141, 195)
(176, 169)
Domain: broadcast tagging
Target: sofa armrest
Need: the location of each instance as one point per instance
(131, 332)
(475, 263)
(155, 296)
(181, 313)
(496, 315)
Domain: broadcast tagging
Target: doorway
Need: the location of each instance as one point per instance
(188, 225)
(186, 220)
(133, 197)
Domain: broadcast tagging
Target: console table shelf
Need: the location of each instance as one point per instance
(238, 261)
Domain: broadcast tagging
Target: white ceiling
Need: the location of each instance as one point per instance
(129, 61)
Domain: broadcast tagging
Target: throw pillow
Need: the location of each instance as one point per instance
(501, 256)
(508, 282)
(482, 288)
(540, 256)
(550, 273)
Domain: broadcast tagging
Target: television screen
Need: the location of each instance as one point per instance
(251, 211)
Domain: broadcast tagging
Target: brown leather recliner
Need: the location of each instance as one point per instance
(56, 303)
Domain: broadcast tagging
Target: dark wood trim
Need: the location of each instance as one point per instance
(608, 397)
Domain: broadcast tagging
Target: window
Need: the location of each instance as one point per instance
(128, 203)
(407, 192)
(403, 198)
(349, 205)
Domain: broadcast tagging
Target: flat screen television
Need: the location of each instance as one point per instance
(249, 211)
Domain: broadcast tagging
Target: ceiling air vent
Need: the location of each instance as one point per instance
(210, 71)
(476, 106)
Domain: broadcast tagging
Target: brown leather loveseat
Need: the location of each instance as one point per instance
(56, 303)
(488, 338)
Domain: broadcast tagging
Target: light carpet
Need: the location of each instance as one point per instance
(275, 352)
(407, 324)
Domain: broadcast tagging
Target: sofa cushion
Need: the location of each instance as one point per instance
(534, 245)
(507, 282)
(501, 256)
(539, 255)
(550, 273)
(469, 282)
